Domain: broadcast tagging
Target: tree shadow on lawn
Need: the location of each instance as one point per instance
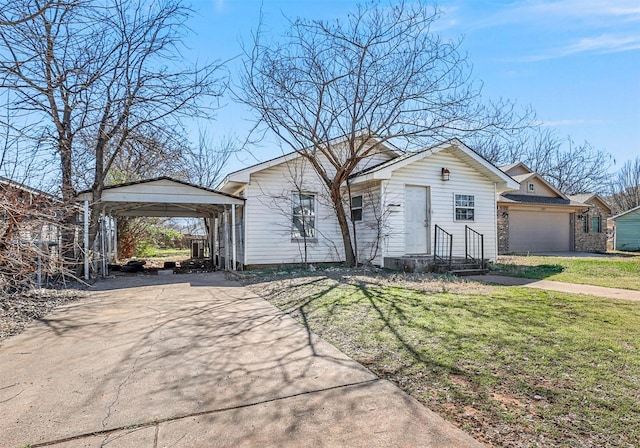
(480, 358)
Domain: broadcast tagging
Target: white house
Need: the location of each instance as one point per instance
(397, 202)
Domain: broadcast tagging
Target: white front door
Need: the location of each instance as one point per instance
(417, 238)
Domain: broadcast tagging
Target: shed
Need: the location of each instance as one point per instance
(627, 230)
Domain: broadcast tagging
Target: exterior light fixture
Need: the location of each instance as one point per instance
(445, 173)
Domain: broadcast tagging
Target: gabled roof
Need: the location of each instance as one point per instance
(619, 215)
(507, 168)
(385, 170)
(521, 178)
(156, 179)
(586, 197)
(160, 196)
(242, 176)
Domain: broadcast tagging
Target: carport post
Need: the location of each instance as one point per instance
(212, 240)
(114, 224)
(226, 240)
(86, 240)
(233, 236)
(214, 243)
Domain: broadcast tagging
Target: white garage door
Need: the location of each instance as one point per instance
(539, 232)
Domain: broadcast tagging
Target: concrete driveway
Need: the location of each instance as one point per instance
(195, 361)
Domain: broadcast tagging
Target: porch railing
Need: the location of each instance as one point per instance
(443, 250)
(474, 246)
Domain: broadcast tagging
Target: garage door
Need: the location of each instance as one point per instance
(539, 232)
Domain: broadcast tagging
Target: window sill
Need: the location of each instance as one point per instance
(303, 240)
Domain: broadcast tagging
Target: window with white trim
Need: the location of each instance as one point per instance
(304, 215)
(464, 207)
(356, 208)
(532, 188)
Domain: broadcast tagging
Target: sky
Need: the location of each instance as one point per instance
(575, 62)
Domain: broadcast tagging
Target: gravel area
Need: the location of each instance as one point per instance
(17, 311)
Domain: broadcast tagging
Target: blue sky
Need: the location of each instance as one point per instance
(576, 62)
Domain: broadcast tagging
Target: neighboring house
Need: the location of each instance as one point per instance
(395, 202)
(27, 214)
(590, 229)
(538, 217)
(627, 230)
(29, 233)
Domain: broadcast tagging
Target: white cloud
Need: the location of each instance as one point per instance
(569, 122)
(605, 43)
(591, 10)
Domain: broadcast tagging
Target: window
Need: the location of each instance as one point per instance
(532, 188)
(304, 215)
(585, 224)
(356, 208)
(465, 207)
(595, 224)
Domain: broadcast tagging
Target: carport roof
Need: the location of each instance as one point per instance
(161, 196)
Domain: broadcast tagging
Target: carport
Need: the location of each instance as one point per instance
(166, 197)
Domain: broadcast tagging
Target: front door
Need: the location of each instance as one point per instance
(417, 223)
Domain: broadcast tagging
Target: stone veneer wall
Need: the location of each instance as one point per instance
(503, 229)
(591, 242)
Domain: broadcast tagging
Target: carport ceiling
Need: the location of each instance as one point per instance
(162, 197)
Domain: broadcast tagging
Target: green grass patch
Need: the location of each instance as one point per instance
(613, 272)
(513, 366)
(154, 252)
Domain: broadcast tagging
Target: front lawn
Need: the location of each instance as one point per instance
(513, 367)
(613, 272)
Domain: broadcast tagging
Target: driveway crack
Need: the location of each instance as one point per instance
(134, 367)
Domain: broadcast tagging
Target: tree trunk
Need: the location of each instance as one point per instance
(68, 198)
(336, 197)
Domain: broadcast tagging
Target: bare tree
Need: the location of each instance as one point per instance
(570, 167)
(21, 11)
(382, 72)
(624, 189)
(208, 159)
(104, 70)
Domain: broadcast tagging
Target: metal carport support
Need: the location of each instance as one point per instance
(162, 197)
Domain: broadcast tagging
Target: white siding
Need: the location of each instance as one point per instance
(463, 180)
(268, 216)
(268, 213)
(371, 229)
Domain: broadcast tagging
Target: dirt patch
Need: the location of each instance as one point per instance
(282, 280)
(17, 311)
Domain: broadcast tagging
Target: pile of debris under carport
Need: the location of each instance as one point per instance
(190, 266)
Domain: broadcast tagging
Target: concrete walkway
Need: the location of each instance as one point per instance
(196, 361)
(600, 291)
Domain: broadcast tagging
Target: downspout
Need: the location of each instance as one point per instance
(353, 224)
(495, 220)
(381, 238)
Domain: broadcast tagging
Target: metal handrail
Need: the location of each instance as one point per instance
(443, 247)
(474, 246)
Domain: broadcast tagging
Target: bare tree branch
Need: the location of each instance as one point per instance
(382, 72)
(96, 75)
(624, 189)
